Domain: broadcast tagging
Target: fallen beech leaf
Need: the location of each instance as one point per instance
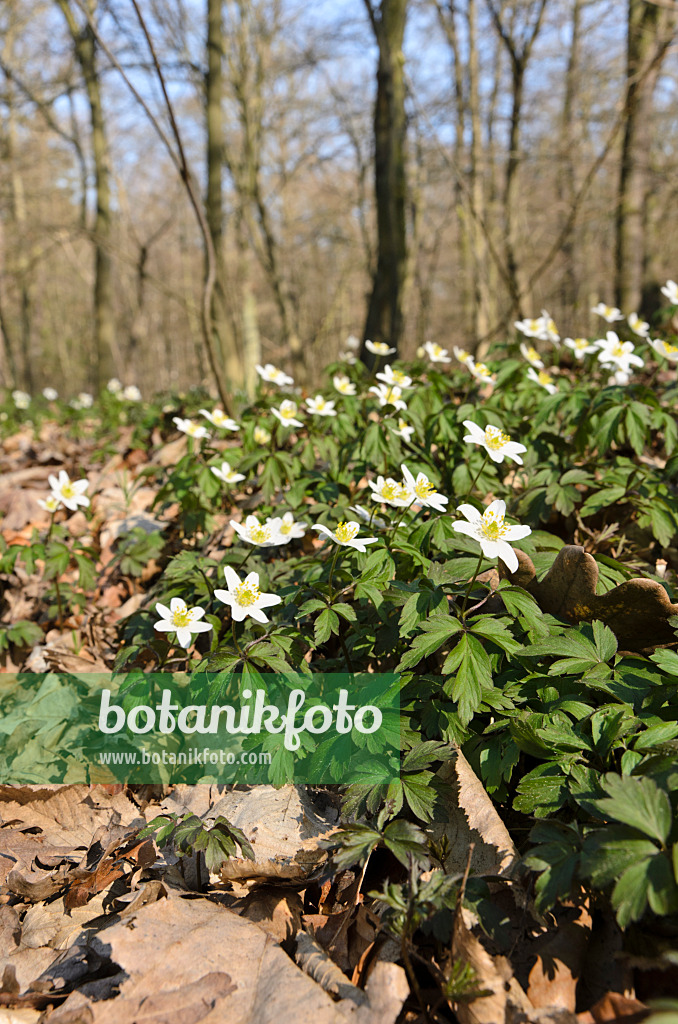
(504, 999)
(561, 956)
(636, 611)
(473, 818)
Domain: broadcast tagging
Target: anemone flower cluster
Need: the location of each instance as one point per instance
(409, 491)
(274, 531)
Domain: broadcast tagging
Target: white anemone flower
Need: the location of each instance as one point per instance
(638, 326)
(319, 406)
(609, 313)
(462, 355)
(368, 517)
(379, 348)
(620, 378)
(352, 342)
(346, 534)
(244, 596)
(51, 394)
(226, 474)
(272, 375)
(114, 386)
(390, 492)
(482, 373)
(422, 491)
(190, 428)
(580, 346)
(290, 529)
(404, 430)
(394, 377)
(670, 290)
(348, 357)
(544, 379)
(21, 399)
(389, 395)
(530, 353)
(530, 328)
(549, 330)
(343, 384)
(436, 353)
(131, 393)
(260, 534)
(497, 444)
(182, 620)
(70, 493)
(492, 532)
(618, 354)
(86, 400)
(663, 348)
(287, 414)
(261, 436)
(219, 419)
(50, 504)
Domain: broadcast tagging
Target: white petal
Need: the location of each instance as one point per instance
(268, 600)
(177, 605)
(184, 637)
(257, 614)
(232, 578)
(517, 532)
(164, 626)
(508, 556)
(471, 513)
(470, 529)
(163, 611)
(498, 507)
(201, 627)
(224, 595)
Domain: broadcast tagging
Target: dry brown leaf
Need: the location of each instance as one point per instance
(473, 818)
(636, 611)
(278, 913)
(494, 976)
(69, 816)
(265, 986)
(282, 825)
(561, 956)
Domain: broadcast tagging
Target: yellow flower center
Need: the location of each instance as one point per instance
(532, 354)
(247, 594)
(618, 350)
(320, 403)
(493, 526)
(533, 325)
(424, 489)
(462, 355)
(285, 528)
(181, 618)
(482, 370)
(669, 349)
(260, 534)
(68, 491)
(495, 438)
(192, 429)
(580, 343)
(381, 347)
(545, 378)
(346, 531)
(398, 376)
(389, 490)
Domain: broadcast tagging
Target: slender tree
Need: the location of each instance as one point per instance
(385, 321)
(650, 30)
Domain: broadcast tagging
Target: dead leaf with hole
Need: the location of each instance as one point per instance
(283, 826)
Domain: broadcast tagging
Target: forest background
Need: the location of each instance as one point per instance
(403, 171)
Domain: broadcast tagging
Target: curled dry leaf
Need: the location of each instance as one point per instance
(636, 611)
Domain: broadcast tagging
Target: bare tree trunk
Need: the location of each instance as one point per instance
(566, 181)
(519, 50)
(225, 342)
(384, 321)
(85, 47)
(650, 31)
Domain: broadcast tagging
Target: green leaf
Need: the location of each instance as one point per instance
(326, 624)
(474, 671)
(406, 840)
(636, 801)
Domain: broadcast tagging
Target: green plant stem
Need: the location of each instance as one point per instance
(208, 581)
(58, 597)
(235, 641)
(470, 586)
(397, 523)
(478, 474)
(329, 579)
